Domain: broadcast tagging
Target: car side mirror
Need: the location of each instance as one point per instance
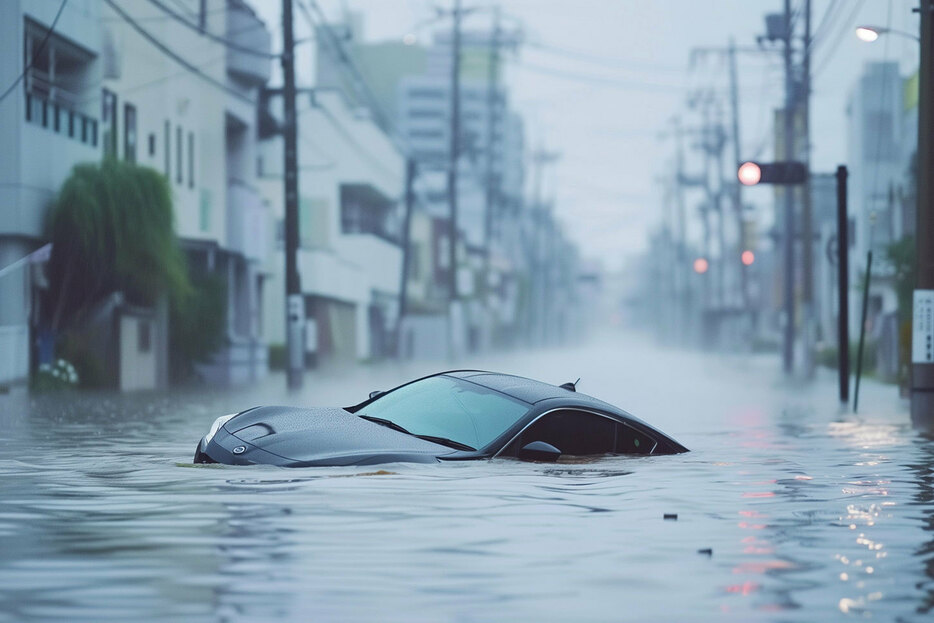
(539, 451)
(376, 393)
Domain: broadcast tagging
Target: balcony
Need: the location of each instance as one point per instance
(246, 221)
(55, 86)
(246, 30)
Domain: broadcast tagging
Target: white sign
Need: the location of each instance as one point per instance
(922, 338)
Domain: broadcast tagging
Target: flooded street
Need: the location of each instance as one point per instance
(787, 509)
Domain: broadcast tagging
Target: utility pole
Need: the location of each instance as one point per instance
(807, 244)
(922, 361)
(737, 194)
(410, 173)
(541, 220)
(492, 178)
(295, 303)
(452, 168)
(683, 272)
(788, 239)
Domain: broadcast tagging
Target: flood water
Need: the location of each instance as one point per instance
(807, 512)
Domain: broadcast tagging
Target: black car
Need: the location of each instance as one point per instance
(450, 416)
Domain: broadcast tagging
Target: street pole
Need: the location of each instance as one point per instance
(788, 239)
(683, 271)
(452, 169)
(410, 173)
(922, 362)
(843, 278)
(737, 186)
(807, 244)
(492, 179)
(535, 281)
(295, 303)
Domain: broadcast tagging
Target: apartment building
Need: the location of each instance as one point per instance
(351, 178)
(172, 86)
(184, 102)
(49, 121)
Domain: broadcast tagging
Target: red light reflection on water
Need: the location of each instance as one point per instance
(746, 588)
(759, 494)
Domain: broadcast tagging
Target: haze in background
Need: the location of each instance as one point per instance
(599, 81)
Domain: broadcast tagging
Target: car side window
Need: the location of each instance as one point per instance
(576, 433)
(631, 441)
(579, 433)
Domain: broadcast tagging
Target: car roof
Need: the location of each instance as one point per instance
(526, 390)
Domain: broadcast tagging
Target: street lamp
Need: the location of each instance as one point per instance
(871, 33)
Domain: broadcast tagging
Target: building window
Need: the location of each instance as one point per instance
(191, 160)
(178, 154)
(168, 150)
(129, 132)
(109, 123)
(152, 144)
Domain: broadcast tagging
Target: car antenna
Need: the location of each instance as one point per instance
(571, 387)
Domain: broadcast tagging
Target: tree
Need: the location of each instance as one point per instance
(112, 231)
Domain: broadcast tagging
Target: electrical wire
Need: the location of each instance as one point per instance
(358, 79)
(175, 56)
(603, 61)
(826, 19)
(597, 80)
(353, 142)
(840, 35)
(205, 33)
(35, 56)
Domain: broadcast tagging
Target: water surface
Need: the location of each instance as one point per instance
(788, 509)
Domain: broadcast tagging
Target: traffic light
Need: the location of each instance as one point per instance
(701, 265)
(789, 172)
(747, 257)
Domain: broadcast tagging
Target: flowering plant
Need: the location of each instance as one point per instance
(56, 375)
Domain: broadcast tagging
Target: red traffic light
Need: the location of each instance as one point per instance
(788, 172)
(747, 258)
(701, 265)
(749, 174)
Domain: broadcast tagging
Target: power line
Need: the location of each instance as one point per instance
(205, 33)
(359, 81)
(604, 61)
(840, 35)
(598, 80)
(174, 56)
(45, 39)
(360, 149)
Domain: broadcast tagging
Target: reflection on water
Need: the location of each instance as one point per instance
(808, 513)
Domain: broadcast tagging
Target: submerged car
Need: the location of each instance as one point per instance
(451, 416)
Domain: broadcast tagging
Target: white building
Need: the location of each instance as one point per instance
(49, 121)
(876, 163)
(143, 82)
(191, 113)
(351, 179)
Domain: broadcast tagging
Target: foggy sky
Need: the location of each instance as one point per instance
(615, 73)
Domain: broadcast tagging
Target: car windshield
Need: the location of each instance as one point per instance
(443, 406)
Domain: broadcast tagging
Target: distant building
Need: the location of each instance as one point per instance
(879, 159)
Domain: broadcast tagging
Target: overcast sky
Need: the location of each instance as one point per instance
(600, 81)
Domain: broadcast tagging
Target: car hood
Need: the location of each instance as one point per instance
(293, 436)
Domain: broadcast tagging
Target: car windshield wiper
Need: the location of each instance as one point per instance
(386, 423)
(444, 441)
